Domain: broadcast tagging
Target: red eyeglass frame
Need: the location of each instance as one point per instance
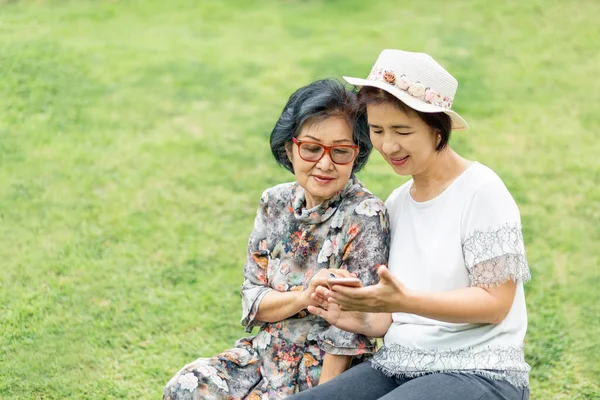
(327, 149)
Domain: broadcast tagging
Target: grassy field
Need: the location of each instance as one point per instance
(134, 148)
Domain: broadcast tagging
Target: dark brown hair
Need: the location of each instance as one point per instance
(438, 121)
(314, 103)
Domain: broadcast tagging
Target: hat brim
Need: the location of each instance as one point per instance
(458, 123)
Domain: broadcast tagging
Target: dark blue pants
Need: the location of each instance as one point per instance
(364, 382)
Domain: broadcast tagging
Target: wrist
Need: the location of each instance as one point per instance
(368, 320)
(411, 302)
(303, 299)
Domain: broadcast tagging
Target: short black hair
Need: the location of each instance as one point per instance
(439, 121)
(316, 102)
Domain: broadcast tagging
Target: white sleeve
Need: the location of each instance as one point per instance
(492, 240)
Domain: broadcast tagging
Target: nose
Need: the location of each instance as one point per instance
(325, 163)
(388, 146)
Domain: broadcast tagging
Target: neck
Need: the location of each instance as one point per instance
(444, 169)
(312, 201)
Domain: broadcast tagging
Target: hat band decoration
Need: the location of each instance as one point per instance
(415, 89)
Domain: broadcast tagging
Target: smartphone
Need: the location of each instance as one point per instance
(352, 282)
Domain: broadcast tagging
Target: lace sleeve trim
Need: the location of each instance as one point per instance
(496, 256)
(501, 269)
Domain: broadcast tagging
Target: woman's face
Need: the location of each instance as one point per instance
(406, 142)
(322, 179)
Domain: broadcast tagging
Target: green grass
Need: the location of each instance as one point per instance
(133, 151)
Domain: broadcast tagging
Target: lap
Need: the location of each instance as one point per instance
(360, 382)
(454, 386)
(234, 372)
(365, 382)
(278, 370)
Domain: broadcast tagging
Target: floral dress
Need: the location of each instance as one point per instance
(288, 246)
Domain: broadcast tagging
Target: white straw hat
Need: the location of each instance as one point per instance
(417, 80)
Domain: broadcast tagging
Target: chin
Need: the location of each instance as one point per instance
(403, 170)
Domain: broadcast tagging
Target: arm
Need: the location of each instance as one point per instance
(255, 286)
(333, 365)
(377, 324)
(466, 305)
(277, 306)
(473, 304)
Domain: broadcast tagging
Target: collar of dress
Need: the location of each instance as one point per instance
(322, 212)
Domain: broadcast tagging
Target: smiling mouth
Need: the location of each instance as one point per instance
(399, 161)
(322, 179)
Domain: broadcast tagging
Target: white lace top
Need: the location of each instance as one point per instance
(470, 235)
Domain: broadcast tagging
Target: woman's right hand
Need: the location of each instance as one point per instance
(320, 280)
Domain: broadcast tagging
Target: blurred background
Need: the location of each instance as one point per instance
(134, 149)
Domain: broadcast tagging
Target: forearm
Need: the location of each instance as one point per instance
(467, 305)
(377, 324)
(333, 365)
(365, 323)
(277, 306)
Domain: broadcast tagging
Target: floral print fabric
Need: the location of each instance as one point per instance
(414, 88)
(288, 246)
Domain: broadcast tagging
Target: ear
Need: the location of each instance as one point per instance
(288, 150)
(438, 137)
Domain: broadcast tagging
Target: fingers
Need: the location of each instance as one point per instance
(385, 274)
(317, 297)
(352, 299)
(347, 290)
(320, 301)
(387, 279)
(340, 298)
(327, 295)
(323, 292)
(319, 280)
(319, 312)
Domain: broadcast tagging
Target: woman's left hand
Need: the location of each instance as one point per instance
(389, 295)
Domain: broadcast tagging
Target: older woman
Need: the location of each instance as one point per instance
(451, 305)
(324, 221)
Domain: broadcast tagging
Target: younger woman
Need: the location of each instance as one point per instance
(451, 305)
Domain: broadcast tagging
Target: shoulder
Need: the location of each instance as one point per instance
(277, 193)
(361, 210)
(274, 198)
(489, 203)
(479, 177)
(361, 200)
(483, 184)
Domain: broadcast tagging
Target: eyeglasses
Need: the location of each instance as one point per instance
(313, 152)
